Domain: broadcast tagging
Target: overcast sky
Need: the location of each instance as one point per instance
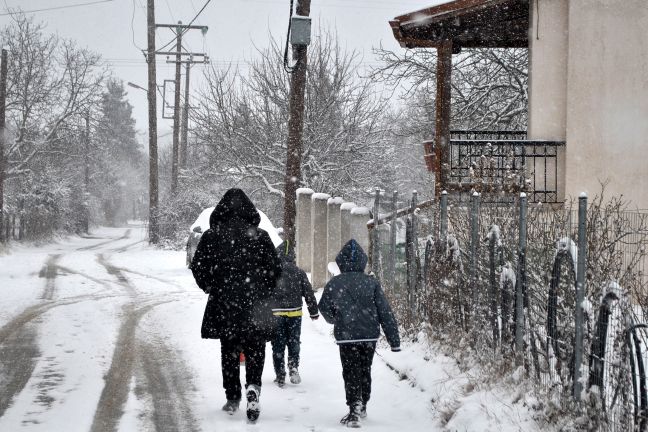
(117, 30)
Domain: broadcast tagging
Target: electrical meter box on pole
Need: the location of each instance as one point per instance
(300, 30)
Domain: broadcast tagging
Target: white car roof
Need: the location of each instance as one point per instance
(265, 224)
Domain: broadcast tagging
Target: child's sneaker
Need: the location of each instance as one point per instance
(231, 406)
(351, 420)
(253, 408)
(280, 381)
(294, 376)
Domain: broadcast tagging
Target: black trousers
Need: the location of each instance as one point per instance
(288, 335)
(254, 351)
(356, 371)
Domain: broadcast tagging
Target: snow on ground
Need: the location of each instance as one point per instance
(103, 334)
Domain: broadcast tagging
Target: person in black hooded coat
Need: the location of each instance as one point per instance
(236, 264)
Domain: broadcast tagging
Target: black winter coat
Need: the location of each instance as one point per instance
(355, 303)
(236, 264)
(292, 286)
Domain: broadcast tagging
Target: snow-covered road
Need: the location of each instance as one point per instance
(102, 333)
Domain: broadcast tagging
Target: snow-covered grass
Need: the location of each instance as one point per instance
(113, 313)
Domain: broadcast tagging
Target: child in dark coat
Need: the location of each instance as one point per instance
(291, 287)
(355, 304)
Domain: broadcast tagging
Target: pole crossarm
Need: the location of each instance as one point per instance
(190, 62)
(182, 26)
(181, 53)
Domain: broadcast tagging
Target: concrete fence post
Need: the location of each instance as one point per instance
(359, 231)
(303, 247)
(333, 229)
(319, 210)
(345, 222)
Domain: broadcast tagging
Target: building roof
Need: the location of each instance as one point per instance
(467, 23)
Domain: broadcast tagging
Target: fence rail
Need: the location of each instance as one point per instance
(505, 161)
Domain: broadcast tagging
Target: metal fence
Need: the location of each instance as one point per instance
(558, 291)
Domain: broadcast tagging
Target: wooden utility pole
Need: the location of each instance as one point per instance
(152, 114)
(185, 120)
(86, 176)
(3, 168)
(179, 29)
(176, 112)
(295, 130)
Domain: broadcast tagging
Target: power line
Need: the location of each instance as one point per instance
(190, 22)
(7, 12)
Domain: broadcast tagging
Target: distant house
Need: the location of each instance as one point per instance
(588, 91)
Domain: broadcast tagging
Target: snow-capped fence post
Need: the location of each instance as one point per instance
(580, 294)
(303, 229)
(520, 280)
(319, 235)
(375, 237)
(391, 258)
(333, 228)
(345, 222)
(474, 245)
(359, 231)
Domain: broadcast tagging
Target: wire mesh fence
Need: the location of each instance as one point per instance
(558, 293)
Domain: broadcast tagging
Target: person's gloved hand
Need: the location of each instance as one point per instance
(314, 317)
(395, 349)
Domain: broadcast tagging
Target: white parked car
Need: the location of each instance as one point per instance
(202, 224)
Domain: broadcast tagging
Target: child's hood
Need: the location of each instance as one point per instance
(351, 257)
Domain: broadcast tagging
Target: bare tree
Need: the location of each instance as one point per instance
(52, 84)
(242, 122)
(489, 86)
(51, 80)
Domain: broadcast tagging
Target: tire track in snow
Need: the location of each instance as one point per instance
(19, 349)
(117, 273)
(167, 381)
(127, 246)
(18, 353)
(49, 272)
(116, 388)
(125, 236)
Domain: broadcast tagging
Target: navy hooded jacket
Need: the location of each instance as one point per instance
(292, 286)
(355, 303)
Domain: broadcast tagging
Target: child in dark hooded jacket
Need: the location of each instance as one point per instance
(356, 305)
(291, 287)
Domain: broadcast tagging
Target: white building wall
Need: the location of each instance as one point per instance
(548, 58)
(607, 108)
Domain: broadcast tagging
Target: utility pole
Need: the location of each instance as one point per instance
(176, 112)
(152, 112)
(179, 29)
(185, 120)
(86, 176)
(295, 129)
(3, 104)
